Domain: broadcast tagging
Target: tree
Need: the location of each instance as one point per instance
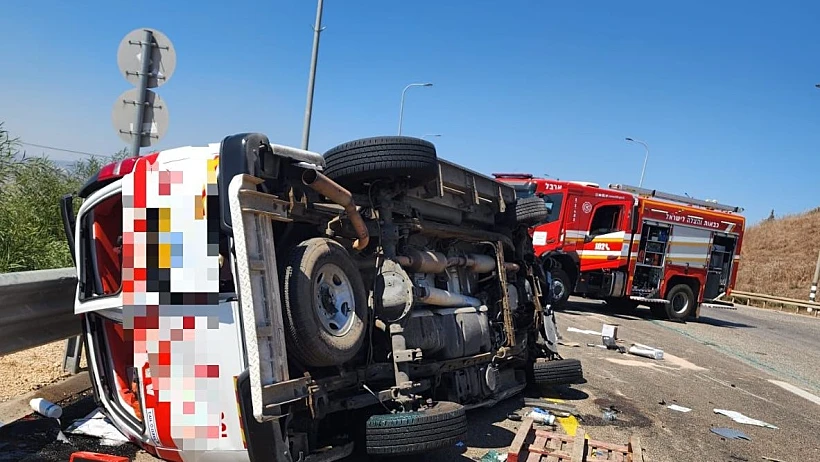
(31, 229)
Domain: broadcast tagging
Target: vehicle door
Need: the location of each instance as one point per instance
(604, 234)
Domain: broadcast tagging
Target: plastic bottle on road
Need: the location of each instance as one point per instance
(46, 408)
(542, 416)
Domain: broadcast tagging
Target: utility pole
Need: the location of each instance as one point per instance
(317, 29)
(147, 50)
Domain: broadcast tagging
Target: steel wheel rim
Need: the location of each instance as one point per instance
(557, 289)
(680, 302)
(335, 303)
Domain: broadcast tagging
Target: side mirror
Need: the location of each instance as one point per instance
(588, 239)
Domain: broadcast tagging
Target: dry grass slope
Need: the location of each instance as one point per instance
(778, 256)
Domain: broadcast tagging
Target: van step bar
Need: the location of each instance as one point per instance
(257, 285)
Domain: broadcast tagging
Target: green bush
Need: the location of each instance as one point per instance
(31, 230)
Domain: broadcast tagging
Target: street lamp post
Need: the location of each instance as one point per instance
(401, 108)
(314, 57)
(643, 170)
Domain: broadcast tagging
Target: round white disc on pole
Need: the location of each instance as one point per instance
(155, 118)
(163, 58)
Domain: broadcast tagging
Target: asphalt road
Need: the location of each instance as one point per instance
(761, 363)
(725, 360)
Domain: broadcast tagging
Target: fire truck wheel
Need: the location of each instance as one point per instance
(357, 164)
(561, 287)
(531, 211)
(681, 301)
(439, 426)
(325, 310)
(558, 372)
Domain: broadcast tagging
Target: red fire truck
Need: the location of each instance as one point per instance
(630, 246)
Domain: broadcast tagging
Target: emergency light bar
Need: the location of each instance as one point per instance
(675, 197)
(523, 176)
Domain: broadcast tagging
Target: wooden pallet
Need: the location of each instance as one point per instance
(532, 445)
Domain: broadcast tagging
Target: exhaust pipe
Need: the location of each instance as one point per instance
(330, 189)
(445, 298)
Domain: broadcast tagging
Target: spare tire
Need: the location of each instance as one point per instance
(439, 426)
(357, 164)
(325, 310)
(558, 372)
(531, 211)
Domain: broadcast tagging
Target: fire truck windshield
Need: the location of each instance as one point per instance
(553, 202)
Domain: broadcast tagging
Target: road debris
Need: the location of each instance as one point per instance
(514, 417)
(50, 410)
(609, 415)
(555, 408)
(493, 456)
(96, 424)
(535, 445)
(675, 407)
(85, 456)
(609, 335)
(730, 433)
(541, 416)
(589, 332)
(646, 351)
(46, 408)
(569, 344)
(740, 418)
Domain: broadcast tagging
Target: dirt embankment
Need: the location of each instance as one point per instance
(779, 256)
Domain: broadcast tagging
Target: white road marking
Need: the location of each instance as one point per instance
(797, 391)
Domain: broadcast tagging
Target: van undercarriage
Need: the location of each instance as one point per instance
(378, 293)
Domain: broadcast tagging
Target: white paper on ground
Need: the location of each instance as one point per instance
(590, 332)
(740, 418)
(97, 425)
(675, 407)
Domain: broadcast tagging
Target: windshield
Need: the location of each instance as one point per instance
(553, 202)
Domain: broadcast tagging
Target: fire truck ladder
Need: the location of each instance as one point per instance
(675, 198)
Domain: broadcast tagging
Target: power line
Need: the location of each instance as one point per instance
(61, 149)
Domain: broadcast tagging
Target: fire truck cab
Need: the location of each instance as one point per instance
(629, 246)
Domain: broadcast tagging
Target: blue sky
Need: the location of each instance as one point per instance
(723, 92)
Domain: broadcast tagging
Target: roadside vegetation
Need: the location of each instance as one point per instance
(779, 255)
(31, 231)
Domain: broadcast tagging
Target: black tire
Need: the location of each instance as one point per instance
(531, 211)
(681, 302)
(317, 268)
(558, 372)
(440, 426)
(355, 165)
(561, 287)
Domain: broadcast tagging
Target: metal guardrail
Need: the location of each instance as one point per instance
(36, 308)
(773, 302)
